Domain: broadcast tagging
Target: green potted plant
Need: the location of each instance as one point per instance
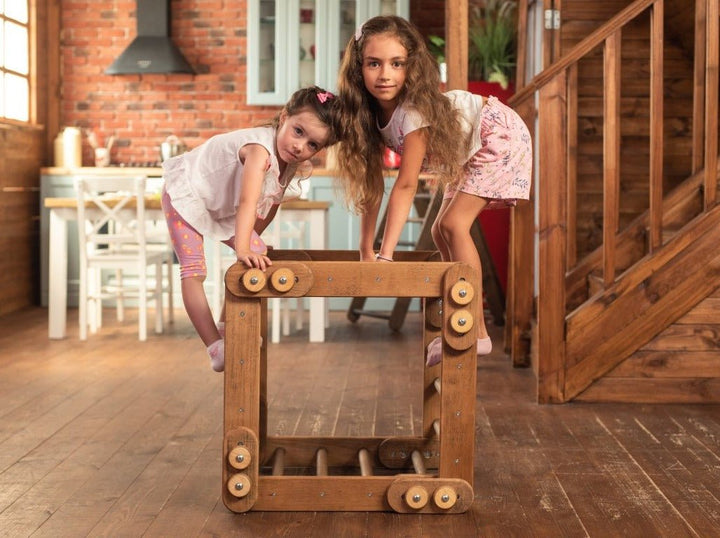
(492, 44)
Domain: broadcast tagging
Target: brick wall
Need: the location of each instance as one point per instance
(142, 110)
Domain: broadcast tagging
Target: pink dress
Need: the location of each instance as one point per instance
(499, 162)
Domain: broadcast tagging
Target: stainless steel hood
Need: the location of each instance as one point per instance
(152, 51)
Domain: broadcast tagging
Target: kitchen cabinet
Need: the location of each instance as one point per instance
(298, 43)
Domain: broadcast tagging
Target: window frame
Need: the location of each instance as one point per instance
(31, 76)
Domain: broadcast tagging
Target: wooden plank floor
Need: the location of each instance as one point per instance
(113, 437)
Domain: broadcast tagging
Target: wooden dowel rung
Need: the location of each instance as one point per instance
(278, 462)
(438, 385)
(417, 461)
(436, 427)
(365, 465)
(321, 464)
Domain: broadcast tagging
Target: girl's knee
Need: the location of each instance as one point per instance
(195, 270)
(435, 233)
(444, 227)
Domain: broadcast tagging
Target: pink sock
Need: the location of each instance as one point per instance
(434, 350)
(216, 350)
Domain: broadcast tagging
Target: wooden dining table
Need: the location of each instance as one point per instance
(64, 210)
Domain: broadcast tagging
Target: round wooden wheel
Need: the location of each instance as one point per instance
(239, 457)
(462, 292)
(238, 485)
(283, 279)
(416, 497)
(445, 497)
(253, 280)
(461, 321)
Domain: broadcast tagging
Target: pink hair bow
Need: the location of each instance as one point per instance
(324, 96)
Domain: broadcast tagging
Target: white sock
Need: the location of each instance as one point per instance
(216, 351)
(434, 349)
(221, 329)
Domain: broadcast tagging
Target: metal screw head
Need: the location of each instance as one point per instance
(282, 280)
(462, 292)
(416, 498)
(462, 322)
(253, 280)
(240, 458)
(445, 498)
(239, 486)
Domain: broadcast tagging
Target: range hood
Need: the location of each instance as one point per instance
(152, 51)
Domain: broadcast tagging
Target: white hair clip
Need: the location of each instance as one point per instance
(358, 33)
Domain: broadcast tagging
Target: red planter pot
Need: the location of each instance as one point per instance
(480, 87)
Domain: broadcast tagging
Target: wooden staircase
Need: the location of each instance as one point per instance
(636, 316)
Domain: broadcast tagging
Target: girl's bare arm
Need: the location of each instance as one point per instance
(403, 191)
(255, 158)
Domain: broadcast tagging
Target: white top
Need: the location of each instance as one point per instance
(204, 184)
(406, 119)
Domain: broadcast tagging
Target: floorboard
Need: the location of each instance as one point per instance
(114, 437)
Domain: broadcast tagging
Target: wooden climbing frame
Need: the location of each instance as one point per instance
(435, 472)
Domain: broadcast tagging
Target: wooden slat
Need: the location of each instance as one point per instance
(458, 375)
(611, 153)
(657, 41)
(456, 44)
(653, 391)
(552, 237)
(698, 131)
(521, 277)
(673, 364)
(572, 179)
(712, 70)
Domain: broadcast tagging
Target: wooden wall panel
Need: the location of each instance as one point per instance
(580, 18)
(21, 151)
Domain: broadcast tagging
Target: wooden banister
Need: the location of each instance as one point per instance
(551, 105)
(581, 49)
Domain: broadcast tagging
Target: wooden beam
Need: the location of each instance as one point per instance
(611, 153)
(456, 44)
(712, 59)
(656, 125)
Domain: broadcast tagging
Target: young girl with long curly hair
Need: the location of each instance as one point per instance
(478, 148)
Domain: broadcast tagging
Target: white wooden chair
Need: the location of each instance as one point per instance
(112, 235)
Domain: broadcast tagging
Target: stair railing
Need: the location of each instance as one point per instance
(549, 104)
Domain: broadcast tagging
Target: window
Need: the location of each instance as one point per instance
(14, 60)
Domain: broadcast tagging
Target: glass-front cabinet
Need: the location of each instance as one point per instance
(297, 43)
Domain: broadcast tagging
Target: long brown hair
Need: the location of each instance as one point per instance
(359, 153)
